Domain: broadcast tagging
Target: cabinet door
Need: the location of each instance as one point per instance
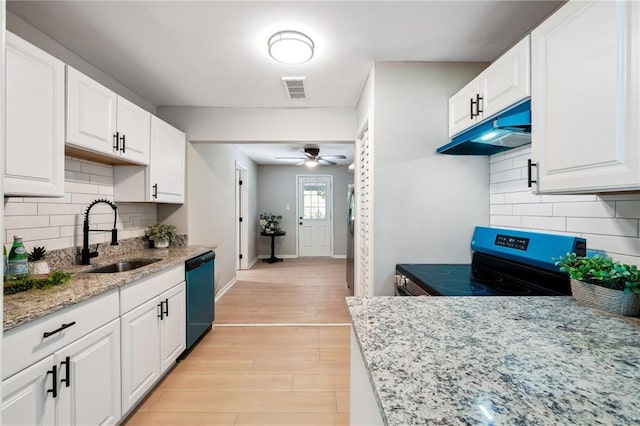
(462, 113)
(507, 80)
(134, 127)
(140, 346)
(25, 400)
(166, 169)
(34, 120)
(585, 98)
(91, 113)
(90, 378)
(173, 325)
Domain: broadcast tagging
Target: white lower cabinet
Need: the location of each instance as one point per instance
(153, 336)
(78, 385)
(26, 399)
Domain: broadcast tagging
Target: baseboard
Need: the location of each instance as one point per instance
(252, 262)
(225, 288)
(339, 256)
(281, 256)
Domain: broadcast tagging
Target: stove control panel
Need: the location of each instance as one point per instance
(518, 243)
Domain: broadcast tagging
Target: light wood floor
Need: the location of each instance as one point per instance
(265, 374)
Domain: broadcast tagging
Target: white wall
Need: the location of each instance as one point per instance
(262, 124)
(56, 222)
(210, 204)
(277, 189)
(610, 223)
(426, 205)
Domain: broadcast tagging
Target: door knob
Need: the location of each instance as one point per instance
(300, 223)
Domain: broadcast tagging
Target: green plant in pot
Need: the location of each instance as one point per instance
(37, 263)
(162, 235)
(601, 282)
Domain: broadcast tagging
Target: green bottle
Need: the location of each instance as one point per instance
(4, 261)
(17, 266)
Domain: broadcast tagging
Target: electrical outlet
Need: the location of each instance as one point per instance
(287, 207)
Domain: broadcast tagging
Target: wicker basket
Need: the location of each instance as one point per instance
(614, 301)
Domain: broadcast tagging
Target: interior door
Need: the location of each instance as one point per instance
(315, 216)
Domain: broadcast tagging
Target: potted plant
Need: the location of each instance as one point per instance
(269, 222)
(161, 235)
(37, 263)
(601, 282)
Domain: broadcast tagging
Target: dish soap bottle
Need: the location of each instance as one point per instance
(17, 266)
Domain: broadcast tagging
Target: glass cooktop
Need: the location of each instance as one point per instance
(465, 280)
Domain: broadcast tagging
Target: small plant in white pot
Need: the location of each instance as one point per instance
(600, 282)
(37, 263)
(161, 235)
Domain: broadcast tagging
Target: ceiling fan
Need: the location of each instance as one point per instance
(312, 158)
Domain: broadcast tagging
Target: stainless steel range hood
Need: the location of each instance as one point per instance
(507, 130)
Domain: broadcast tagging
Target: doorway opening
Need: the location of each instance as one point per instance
(241, 182)
(314, 201)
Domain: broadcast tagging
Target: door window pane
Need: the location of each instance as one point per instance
(315, 201)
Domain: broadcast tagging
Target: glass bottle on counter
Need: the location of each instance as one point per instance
(4, 261)
(17, 266)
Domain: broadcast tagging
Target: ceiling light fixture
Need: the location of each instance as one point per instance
(311, 162)
(291, 47)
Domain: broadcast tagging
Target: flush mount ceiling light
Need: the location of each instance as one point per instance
(291, 47)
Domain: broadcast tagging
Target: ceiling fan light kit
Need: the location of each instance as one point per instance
(313, 158)
(291, 47)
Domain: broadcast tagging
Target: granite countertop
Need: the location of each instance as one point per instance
(27, 306)
(498, 360)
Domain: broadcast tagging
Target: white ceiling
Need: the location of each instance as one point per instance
(214, 53)
(264, 153)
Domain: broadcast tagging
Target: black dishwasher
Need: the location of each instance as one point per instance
(200, 296)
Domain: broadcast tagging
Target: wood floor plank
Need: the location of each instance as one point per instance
(229, 382)
(288, 419)
(182, 419)
(321, 382)
(265, 375)
(246, 402)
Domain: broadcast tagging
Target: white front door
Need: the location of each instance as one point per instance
(315, 213)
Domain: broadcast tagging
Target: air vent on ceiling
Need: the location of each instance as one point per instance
(294, 86)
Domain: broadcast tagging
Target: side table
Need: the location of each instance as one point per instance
(273, 235)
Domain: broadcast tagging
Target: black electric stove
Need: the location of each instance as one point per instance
(504, 263)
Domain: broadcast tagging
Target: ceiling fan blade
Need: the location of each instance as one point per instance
(308, 155)
(326, 162)
(301, 163)
(291, 158)
(335, 157)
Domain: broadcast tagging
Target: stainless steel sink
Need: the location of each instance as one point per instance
(124, 266)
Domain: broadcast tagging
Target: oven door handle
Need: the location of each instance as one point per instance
(403, 291)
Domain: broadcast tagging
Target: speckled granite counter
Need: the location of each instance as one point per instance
(498, 360)
(23, 307)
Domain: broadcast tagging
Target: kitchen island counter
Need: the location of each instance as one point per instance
(21, 308)
(497, 360)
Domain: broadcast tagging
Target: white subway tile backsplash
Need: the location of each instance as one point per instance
(628, 209)
(620, 227)
(57, 222)
(15, 222)
(544, 223)
(501, 209)
(525, 197)
(45, 209)
(609, 222)
(18, 209)
(505, 176)
(585, 209)
(506, 221)
(533, 209)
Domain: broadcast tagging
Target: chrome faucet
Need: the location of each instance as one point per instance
(86, 253)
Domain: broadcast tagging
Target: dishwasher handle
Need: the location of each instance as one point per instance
(198, 261)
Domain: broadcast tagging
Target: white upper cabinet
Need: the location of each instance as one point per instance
(166, 172)
(505, 82)
(100, 121)
(34, 121)
(91, 113)
(163, 180)
(585, 108)
(134, 127)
